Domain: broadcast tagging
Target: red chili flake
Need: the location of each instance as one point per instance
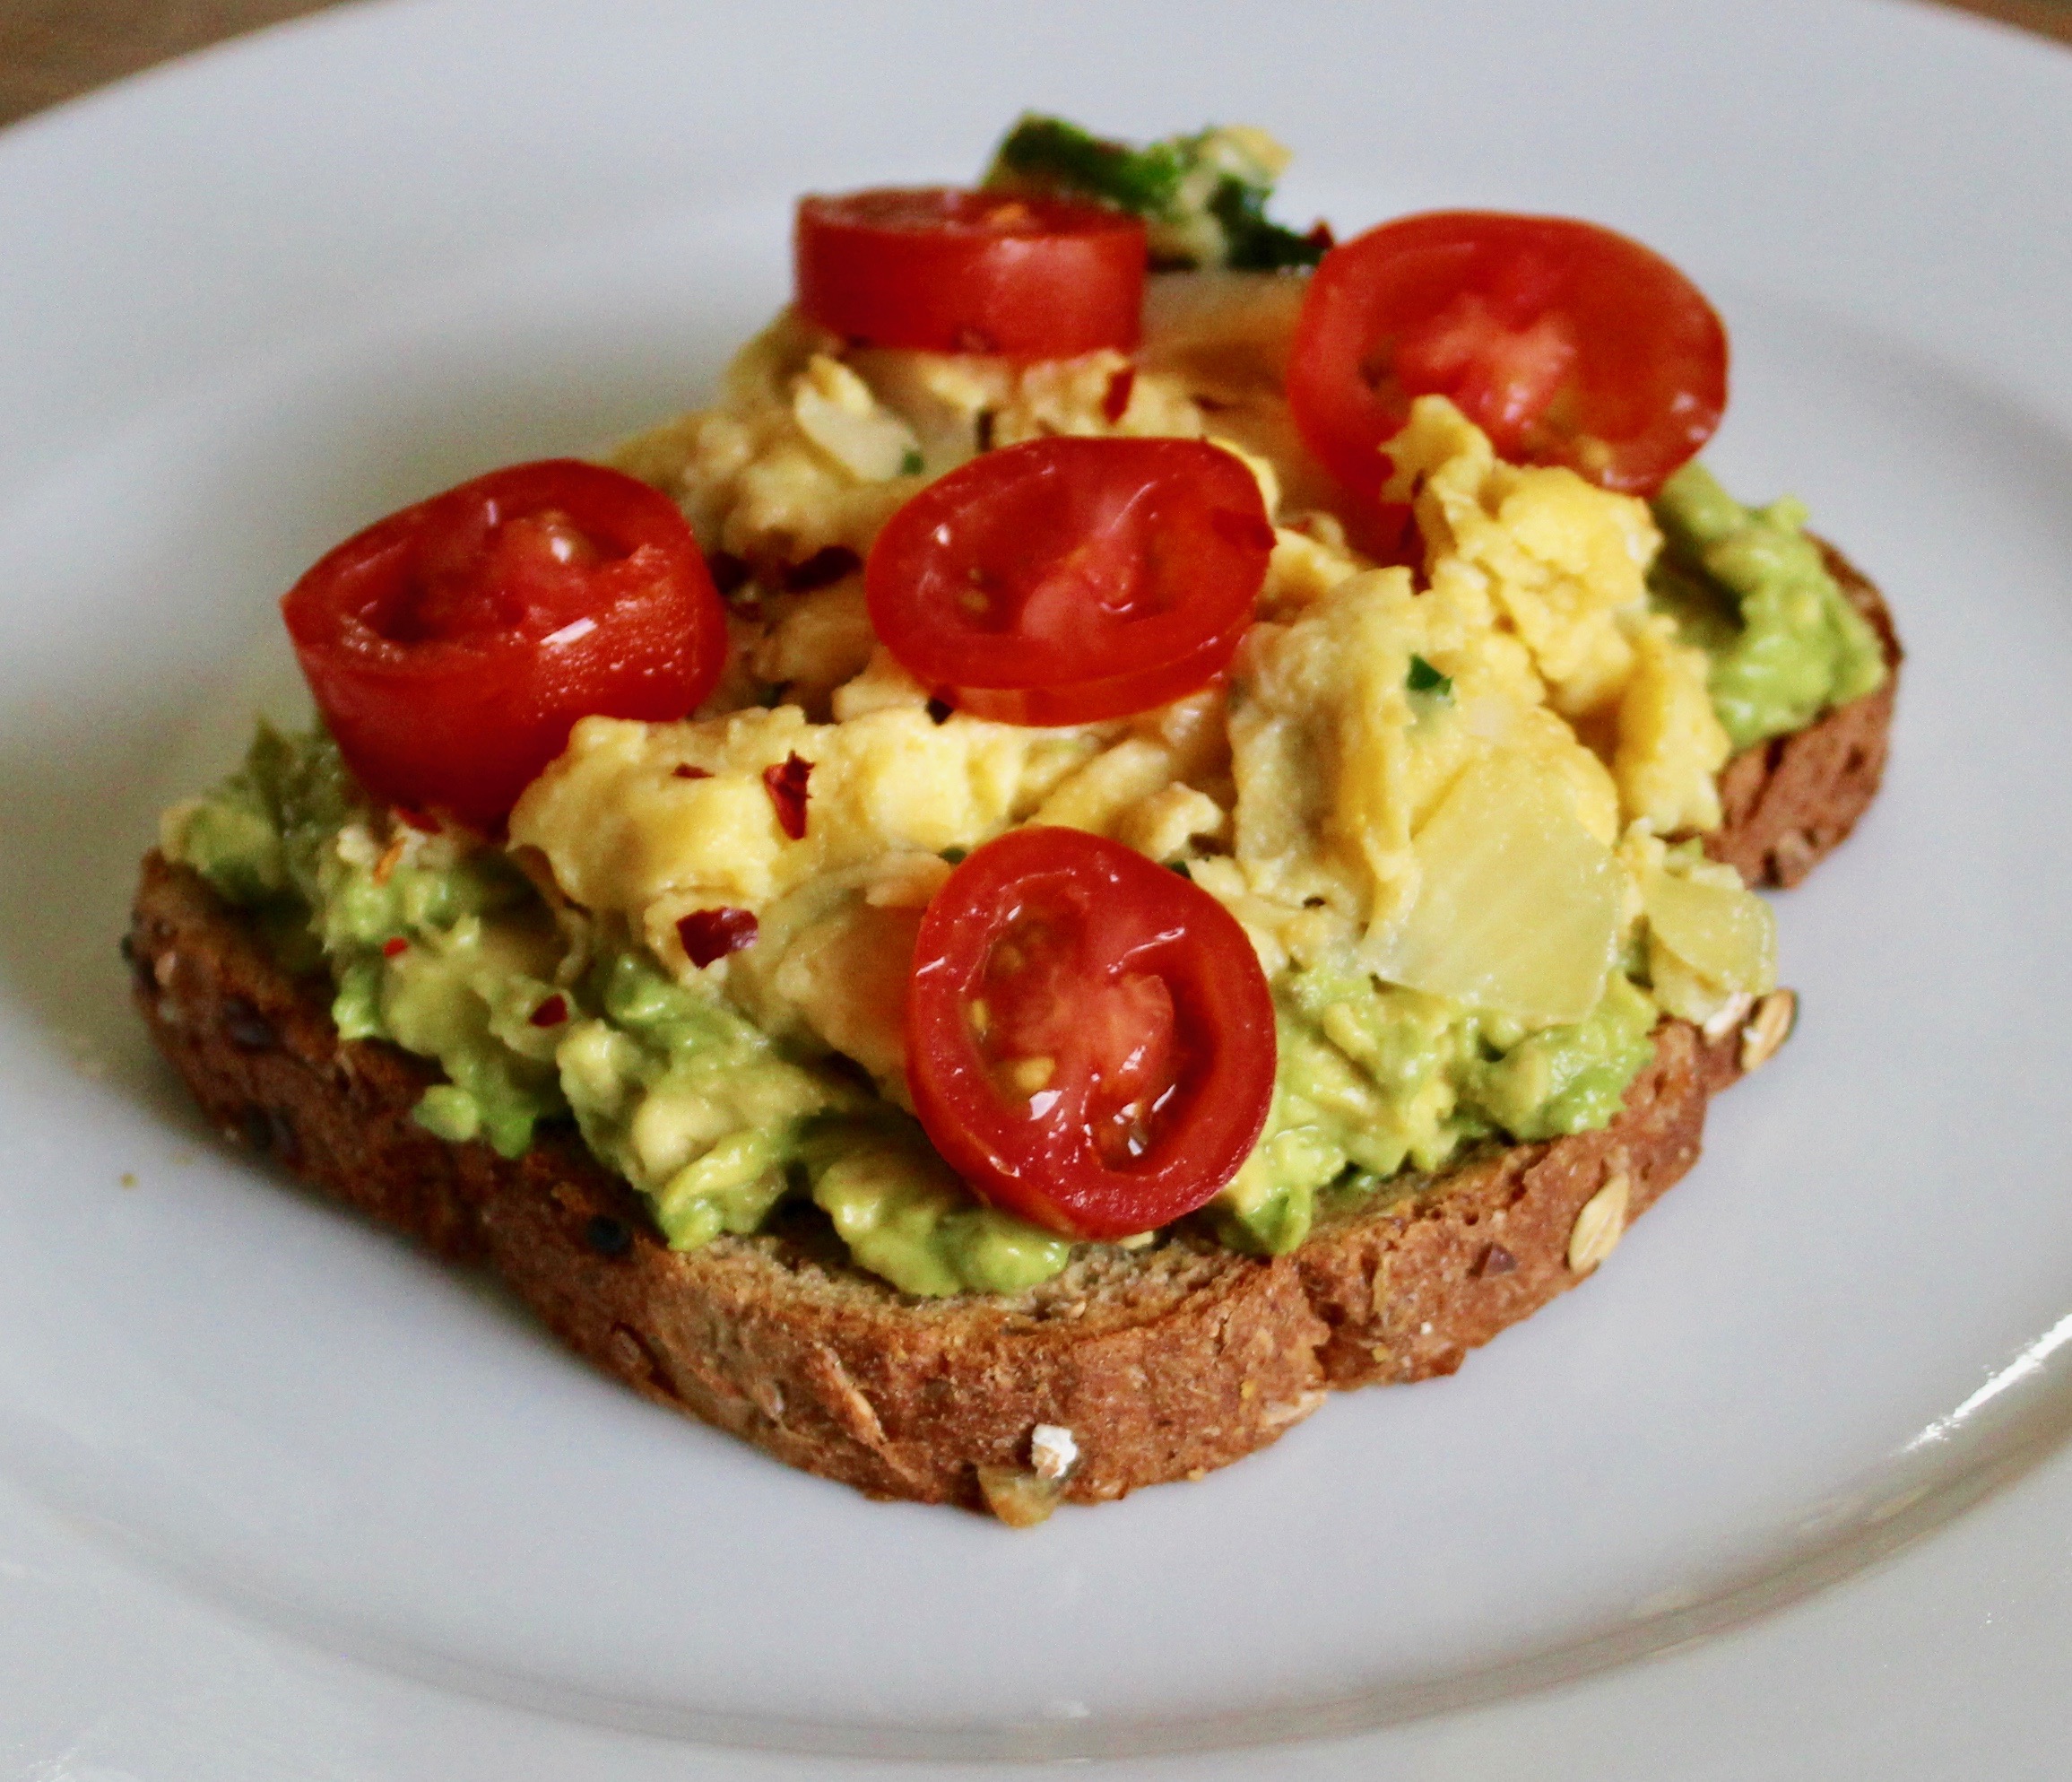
(786, 785)
(684, 771)
(823, 567)
(1116, 403)
(1322, 236)
(551, 1012)
(394, 946)
(417, 819)
(713, 933)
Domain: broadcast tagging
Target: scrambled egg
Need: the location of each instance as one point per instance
(1388, 743)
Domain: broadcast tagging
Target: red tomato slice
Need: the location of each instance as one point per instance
(951, 271)
(1565, 343)
(1065, 580)
(1089, 1037)
(452, 646)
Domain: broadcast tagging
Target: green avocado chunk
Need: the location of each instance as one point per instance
(1750, 587)
(905, 1216)
(439, 944)
(689, 1101)
(1375, 1077)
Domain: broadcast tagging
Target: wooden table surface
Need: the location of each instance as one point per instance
(51, 50)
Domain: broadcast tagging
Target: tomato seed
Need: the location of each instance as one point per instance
(1031, 1076)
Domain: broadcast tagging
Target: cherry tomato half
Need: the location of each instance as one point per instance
(452, 646)
(1089, 1037)
(1065, 580)
(951, 271)
(1565, 343)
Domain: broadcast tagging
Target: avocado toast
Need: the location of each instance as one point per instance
(1130, 935)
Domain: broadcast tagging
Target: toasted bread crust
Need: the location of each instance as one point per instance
(1164, 1362)
(1789, 803)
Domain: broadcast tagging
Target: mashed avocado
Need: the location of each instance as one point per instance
(444, 947)
(1748, 586)
(1373, 1077)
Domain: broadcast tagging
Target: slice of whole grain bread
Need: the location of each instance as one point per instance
(1163, 1362)
(1789, 802)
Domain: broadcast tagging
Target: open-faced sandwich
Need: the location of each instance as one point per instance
(1149, 817)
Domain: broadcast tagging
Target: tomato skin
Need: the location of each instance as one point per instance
(1066, 580)
(945, 270)
(1565, 342)
(452, 646)
(1141, 990)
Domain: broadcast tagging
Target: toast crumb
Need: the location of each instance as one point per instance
(1051, 1451)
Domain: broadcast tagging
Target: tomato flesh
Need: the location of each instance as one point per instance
(451, 647)
(945, 270)
(1065, 580)
(1565, 342)
(1089, 1037)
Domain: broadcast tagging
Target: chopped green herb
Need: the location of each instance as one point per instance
(1050, 153)
(956, 855)
(1204, 196)
(912, 463)
(1253, 242)
(1425, 679)
(1182, 867)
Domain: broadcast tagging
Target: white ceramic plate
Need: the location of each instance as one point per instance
(278, 1498)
